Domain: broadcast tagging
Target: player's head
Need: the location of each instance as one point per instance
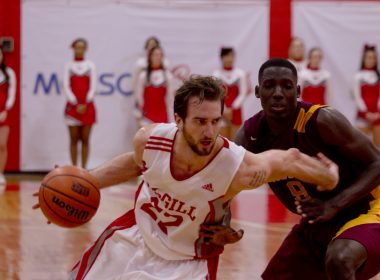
(278, 90)
(151, 43)
(198, 110)
(296, 50)
(315, 56)
(227, 55)
(79, 46)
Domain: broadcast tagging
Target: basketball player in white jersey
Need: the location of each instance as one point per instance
(190, 173)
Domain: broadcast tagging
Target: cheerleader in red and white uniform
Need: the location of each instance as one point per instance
(7, 100)
(154, 90)
(296, 53)
(315, 82)
(141, 65)
(79, 84)
(236, 82)
(366, 94)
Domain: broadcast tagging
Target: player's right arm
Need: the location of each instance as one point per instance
(273, 165)
(125, 166)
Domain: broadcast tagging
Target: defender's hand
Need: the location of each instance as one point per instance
(315, 210)
(220, 235)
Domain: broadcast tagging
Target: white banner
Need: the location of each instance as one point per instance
(340, 29)
(191, 34)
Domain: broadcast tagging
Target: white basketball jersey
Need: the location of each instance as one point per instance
(169, 212)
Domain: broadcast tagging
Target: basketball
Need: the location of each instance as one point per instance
(69, 196)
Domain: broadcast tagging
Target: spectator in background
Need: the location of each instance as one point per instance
(315, 82)
(7, 100)
(79, 82)
(236, 83)
(296, 53)
(366, 94)
(154, 90)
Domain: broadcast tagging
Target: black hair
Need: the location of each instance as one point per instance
(149, 66)
(79, 40)
(3, 66)
(277, 62)
(370, 48)
(225, 51)
(204, 87)
(154, 39)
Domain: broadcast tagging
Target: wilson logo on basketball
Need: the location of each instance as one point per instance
(80, 189)
(208, 187)
(71, 211)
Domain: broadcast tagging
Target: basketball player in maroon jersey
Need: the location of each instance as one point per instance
(7, 100)
(367, 94)
(338, 236)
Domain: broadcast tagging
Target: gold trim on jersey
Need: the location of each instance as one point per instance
(303, 117)
(371, 217)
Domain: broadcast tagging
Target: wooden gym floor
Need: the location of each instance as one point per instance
(30, 249)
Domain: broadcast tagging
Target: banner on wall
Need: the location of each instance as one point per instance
(357, 23)
(191, 36)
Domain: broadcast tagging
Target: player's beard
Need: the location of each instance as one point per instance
(193, 144)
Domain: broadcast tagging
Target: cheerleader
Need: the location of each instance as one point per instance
(296, 53)
(154, 90)
(7, 100)
(366, 94)
(236, 82)
(315, 82)
(79, 83)
(141, 65)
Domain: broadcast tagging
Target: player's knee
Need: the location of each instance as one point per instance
(342, 259)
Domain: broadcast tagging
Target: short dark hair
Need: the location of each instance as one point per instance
(225, 51)
(84, 41)
(204, 87)
(277, 62)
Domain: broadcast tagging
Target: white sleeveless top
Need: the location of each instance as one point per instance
(169, 212)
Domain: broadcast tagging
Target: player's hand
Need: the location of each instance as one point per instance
(3, 116)
(81, 109)
(36, 194)
(220, 235)
(334, 172)
(315, 210)
(37, 205)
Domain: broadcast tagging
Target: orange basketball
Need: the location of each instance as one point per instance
(69, 196)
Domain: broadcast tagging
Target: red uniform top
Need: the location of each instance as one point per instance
(7, 92)
(366, 93)
(79, 84)
(236, 84)
(155, 97)
(315, 85)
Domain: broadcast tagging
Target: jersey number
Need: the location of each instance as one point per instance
(152, 209)
(298, 190)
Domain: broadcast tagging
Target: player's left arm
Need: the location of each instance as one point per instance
(352, 146)
(273, 165)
